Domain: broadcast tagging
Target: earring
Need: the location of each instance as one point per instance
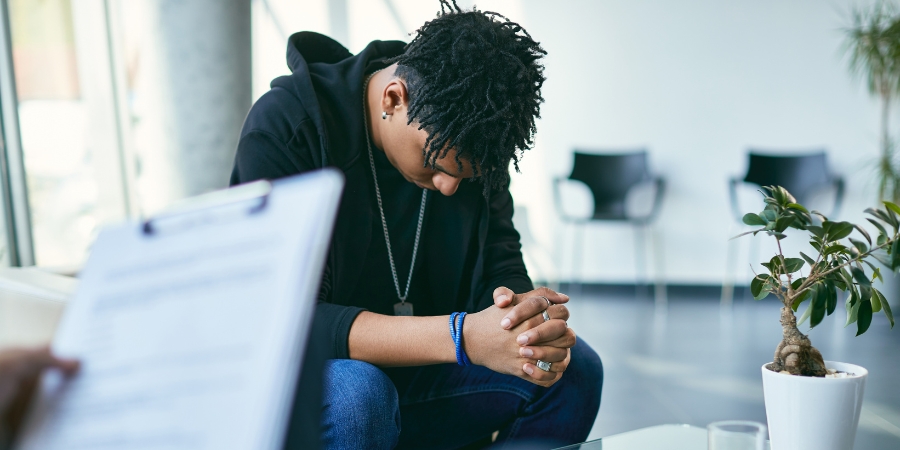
(383, 115)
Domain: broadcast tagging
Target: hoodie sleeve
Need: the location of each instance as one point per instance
(261, 155)
(503, 264)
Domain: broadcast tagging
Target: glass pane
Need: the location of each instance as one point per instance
(71, 181)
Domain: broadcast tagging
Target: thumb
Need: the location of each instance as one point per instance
(503, 297)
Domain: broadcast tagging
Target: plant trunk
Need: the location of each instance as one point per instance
(795, 354)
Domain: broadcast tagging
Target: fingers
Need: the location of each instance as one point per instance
(567, 340)
(559, 312)
(524, 310)
(546, 332)
(23, 363)
(540, 377)
(553, 296)
(503, 297)
(555, 372)
(544, 353)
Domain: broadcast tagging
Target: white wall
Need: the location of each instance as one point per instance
(696, 82)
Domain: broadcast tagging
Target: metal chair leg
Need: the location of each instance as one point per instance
(660, 294)
(640, 261)
(577, 246)
(727, 297)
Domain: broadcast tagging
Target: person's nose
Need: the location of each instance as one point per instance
(445, 183)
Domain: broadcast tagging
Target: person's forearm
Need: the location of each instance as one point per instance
(401, 341)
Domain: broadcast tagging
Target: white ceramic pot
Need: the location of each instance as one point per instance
(811, 413)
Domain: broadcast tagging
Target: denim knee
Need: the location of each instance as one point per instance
(361, 408)
(584, 379)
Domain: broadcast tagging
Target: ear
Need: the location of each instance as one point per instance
(395, 97)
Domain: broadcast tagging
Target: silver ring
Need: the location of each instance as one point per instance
(549, 303)
(545, 366)
(546, 316)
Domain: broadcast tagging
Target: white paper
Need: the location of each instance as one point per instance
(191, 338)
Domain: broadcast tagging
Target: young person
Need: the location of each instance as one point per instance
(424, 133)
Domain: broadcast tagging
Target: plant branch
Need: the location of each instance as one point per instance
(812, 279)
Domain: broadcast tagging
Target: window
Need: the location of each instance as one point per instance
(69, 125)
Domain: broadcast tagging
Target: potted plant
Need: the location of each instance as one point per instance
(812, 403)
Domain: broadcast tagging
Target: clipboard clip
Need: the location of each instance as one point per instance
(256, 193)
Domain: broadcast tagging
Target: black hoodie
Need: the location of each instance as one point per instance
(314, 118)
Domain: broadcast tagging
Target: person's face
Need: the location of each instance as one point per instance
(403, 145)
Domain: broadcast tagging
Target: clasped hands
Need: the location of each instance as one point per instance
(523, 336)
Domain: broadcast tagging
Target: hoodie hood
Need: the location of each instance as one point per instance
(328, 79)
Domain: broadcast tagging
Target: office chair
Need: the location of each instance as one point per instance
(610, 177)
(803, 175)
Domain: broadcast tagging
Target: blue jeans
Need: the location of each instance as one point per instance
(449, 406)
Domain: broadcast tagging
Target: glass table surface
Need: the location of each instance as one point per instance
(660, 437)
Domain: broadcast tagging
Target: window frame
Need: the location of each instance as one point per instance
(14, 211)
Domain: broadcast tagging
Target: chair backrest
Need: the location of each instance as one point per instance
(800, 174)
(610, 176)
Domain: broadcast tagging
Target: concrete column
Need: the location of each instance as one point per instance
(192, 93)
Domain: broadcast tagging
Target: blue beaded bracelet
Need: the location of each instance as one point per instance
(456, 324)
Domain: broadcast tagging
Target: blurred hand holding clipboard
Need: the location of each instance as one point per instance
(191, 326)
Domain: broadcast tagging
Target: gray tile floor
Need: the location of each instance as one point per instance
(695, 365)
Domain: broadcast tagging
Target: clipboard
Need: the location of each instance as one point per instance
(191, 326)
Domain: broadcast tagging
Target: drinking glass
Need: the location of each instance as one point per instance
(737, 435)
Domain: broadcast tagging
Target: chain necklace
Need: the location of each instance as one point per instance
(402, 308)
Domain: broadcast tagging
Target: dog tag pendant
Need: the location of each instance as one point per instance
(403, 309)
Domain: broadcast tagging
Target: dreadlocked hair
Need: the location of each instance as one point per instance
(474, 80)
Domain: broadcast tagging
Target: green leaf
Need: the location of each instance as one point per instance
(818, 231)
(848, 279)
(809, 260)
(839, 230)
(876, 272)
(865, 293)
(806, 314)
(769, 215)
(802, 298)
(882, 239)
(860, 245)
(797, 206)
(831, 299)
(892, 206)
(863, 232)
(753, 219)
(877, 225)
(756, 287)
(834, 248)
(883, 258)
(817, 305)
(783, 223)
(852, 307)
(876, 300)
(890, 219)
(864, 317)
(895, 255)
(886, 309)
(860, 277)
(792, 265)
(746, 233)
